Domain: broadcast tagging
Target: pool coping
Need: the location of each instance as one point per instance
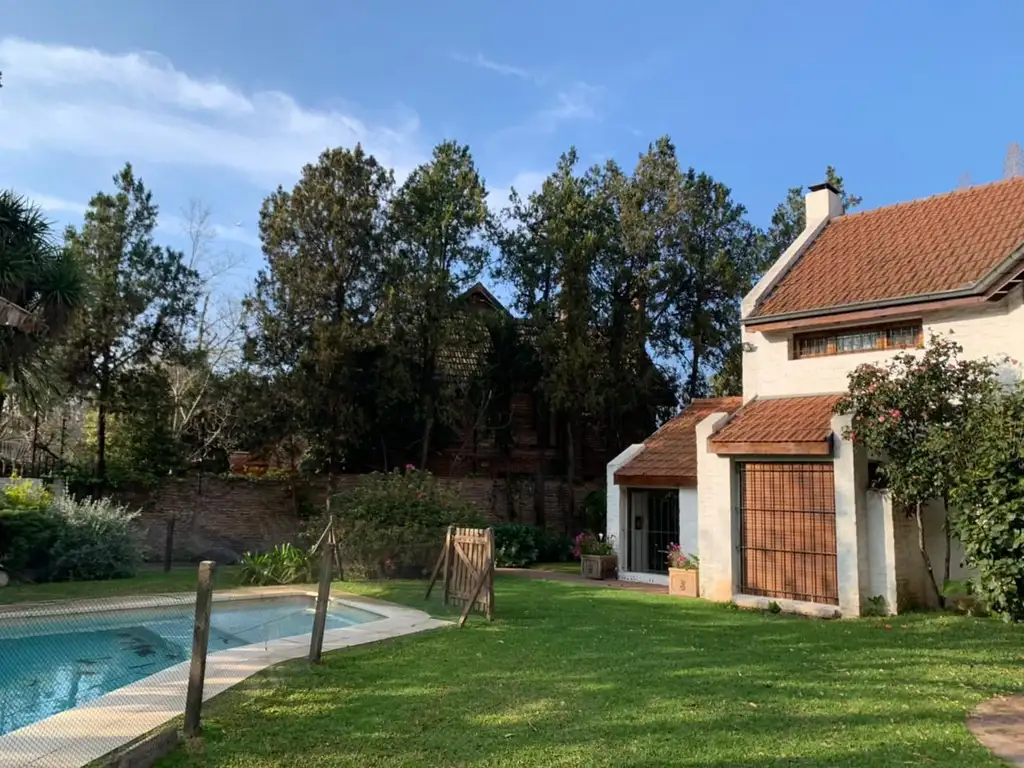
(98, 727)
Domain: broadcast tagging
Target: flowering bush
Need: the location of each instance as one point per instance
(677, 558)
(912, 413)
(587, 543)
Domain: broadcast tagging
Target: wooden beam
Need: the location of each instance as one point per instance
(757, 448)
(655, 481)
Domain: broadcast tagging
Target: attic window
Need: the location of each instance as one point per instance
(906, 335)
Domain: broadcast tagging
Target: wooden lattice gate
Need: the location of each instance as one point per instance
(787, 519)
(466, 567)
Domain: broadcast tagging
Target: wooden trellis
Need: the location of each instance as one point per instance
(466, 567)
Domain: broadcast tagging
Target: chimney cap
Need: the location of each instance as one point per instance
(823, 185)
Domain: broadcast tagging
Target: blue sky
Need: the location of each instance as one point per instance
(223, 100)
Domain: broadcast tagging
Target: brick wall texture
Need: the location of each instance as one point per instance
(221, 518)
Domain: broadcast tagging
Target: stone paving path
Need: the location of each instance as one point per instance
(571, 578)
(999, 725)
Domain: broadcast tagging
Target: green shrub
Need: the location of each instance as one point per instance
(94, 540)
(595, 511)
(28, 529)
(515, 545)
(990, 500)
(553, 547)
(25, 494)
(26, 537)
(875, 606)
(284, 564)
(393, 524)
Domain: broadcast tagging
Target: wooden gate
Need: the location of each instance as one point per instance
(787, 520)
(466, 565)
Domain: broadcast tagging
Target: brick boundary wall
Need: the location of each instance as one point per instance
(221, 518)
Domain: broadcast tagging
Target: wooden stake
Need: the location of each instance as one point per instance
(490, 574)
(449, 557)
(481, 579)
(169, 544)
(442, 561)
(323, 597)
(200, 639)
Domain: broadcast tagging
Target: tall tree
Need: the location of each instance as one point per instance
(213, 342)
(438, 220)
(789, 216)
(314, 304)
(41, 286)
(549, 253)
(638, 210)
(140, 293)
(714, 254)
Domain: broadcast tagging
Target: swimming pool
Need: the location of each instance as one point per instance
(52, 663)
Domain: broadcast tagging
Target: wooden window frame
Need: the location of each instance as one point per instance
(882, 329)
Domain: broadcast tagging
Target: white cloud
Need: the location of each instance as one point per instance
(577, 102)
(138, 106)
(168, 223)
(51, 204)
(482, 62)
(524, 183)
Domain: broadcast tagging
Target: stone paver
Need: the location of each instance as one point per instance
(571, 578)
(999, 725)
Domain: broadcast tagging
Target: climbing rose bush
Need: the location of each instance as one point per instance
(912, 413)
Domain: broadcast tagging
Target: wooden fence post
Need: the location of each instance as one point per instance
(490, 575)
(200, 639)
(323, 596)
(169, 543)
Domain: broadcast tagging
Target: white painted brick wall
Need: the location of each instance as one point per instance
(615, 499)
(715, 514)
(850, 475)
(992, 330)
(879, 572)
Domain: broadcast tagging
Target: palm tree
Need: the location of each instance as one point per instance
(41, 286)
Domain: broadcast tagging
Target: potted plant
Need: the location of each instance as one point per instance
(596, 554)
(683, 578)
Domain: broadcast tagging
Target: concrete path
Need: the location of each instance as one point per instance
(999, 725)
(571, 578)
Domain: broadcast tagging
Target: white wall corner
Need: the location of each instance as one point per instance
(850, 468)
(822, 205)
(716, 525)
(615, 496)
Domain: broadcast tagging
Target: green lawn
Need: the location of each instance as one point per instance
(146, 583)
(575, 676)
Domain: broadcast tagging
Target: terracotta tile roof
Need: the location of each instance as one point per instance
(669, 457)
(796, 425)
(934, 245)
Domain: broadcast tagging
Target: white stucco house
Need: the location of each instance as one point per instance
(763, 488)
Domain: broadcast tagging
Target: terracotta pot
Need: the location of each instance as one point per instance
(598, 566)
(683, 582)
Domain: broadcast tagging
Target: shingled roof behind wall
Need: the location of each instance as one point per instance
(779, 426)
(931, 246)
(669, 457)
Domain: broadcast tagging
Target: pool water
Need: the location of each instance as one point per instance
(53, 663)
